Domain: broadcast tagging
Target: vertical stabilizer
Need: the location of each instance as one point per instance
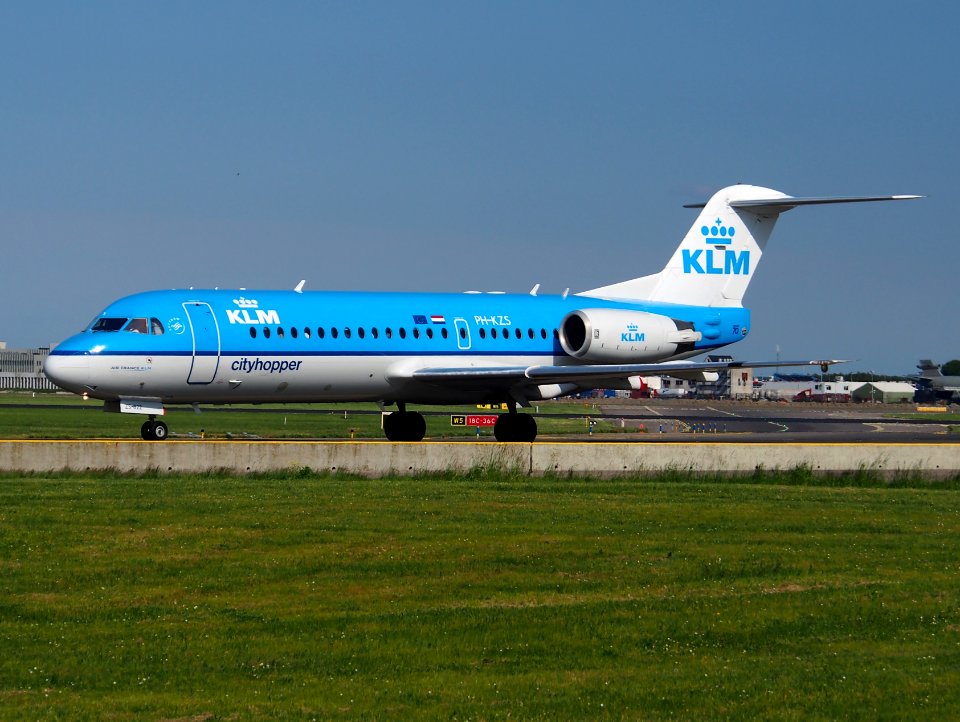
(928, 369)
(716, 259)
(720, 253)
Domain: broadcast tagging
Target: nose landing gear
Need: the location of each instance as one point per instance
(153, 430)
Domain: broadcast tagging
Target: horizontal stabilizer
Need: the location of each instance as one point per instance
(780, 205)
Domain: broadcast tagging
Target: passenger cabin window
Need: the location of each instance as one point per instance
(137, 325)
(306, 332)
(108, 324)
(443, 332)
(293, 332)
(319, 331)
(266, 332)
(253, 332)
(389, 332)
(279, 331)
(346, 332)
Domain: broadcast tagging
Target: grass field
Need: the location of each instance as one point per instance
(23, 416)
(485, 597)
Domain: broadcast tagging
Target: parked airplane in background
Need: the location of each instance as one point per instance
(212, 346)
(932, 385)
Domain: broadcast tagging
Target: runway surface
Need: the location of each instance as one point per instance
(688, 421)
(814, 423)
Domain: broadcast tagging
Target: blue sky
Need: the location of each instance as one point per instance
(451, 146)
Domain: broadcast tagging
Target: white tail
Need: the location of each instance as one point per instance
(720, 253)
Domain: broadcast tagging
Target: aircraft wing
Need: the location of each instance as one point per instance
(587, 376)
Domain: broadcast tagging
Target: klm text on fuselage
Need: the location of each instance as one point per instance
(260, 316)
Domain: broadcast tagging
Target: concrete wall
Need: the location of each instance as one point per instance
(373, 458)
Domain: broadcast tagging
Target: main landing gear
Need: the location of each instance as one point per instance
(153, 430)
(515, 427)
(403, 425)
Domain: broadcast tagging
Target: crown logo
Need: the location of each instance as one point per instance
(246, 302)
(632, 327)
(718, 234)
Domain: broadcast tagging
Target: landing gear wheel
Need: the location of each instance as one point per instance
(515, 428)
(416, 426)
(153, 431)
(527, 427)
(404, 426)
(159, 431)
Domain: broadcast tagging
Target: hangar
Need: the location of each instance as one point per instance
(885, 392)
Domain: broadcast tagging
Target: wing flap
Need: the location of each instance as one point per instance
(589, 375)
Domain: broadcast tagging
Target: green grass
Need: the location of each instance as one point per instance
(477, 597)
(930, 415)
(73, 418)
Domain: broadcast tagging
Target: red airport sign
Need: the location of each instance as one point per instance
(473, 419)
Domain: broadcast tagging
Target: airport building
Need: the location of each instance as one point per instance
(731, 383)
(885, 392)
(22, 369)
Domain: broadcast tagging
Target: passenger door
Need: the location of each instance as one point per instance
(206, 342)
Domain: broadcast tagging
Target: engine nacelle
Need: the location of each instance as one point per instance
(610, 335)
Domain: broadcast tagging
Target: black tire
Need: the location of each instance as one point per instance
(393, 426)
(146, 431)
(505, 428)
(404, 426)
(416, 426)
(512, 428)
(526, 428)
(159, 431)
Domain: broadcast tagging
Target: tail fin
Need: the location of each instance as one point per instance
(717, 258)
(928, 369)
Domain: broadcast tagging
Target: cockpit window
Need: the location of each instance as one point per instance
(137, 325)
(108, 324)
(156, 328)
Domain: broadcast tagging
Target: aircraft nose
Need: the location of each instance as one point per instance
(70, 372)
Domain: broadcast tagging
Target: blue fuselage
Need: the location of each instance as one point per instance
(240, 346)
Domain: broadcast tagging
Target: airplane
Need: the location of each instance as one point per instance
(932, 385)
(158, 348)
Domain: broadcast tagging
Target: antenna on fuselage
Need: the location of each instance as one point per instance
(299, 286)
(533, 291)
